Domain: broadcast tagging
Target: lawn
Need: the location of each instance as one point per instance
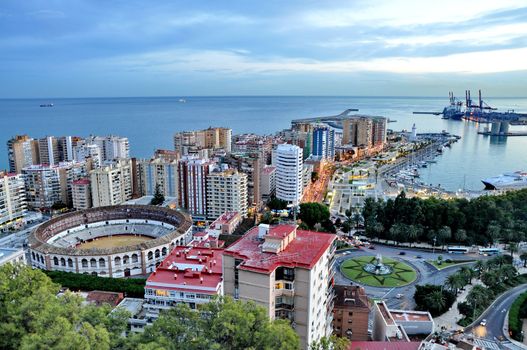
(445, 264)
(401, 275)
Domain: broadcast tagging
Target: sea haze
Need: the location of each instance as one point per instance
(150, 122)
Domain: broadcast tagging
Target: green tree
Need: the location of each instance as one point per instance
(460, 235)
(313, 213)
(158, 198)
(222, 323)
(468, 274)
(436, 300)
(33, 317)
(277, 204)
(479, 266)
(330, 343)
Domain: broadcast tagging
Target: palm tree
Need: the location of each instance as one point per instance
(506, 272)
(467, 273)
(479, 266)
(436, 300)
(454, 282)
(513, 248)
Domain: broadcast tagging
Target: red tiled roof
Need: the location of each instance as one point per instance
(189, 269)
(99, 297)
(304, 251)
(280, 231)
(383, 345)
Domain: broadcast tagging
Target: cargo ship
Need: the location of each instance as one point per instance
(508, 181)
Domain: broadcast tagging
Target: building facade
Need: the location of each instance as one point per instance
(46, 185)
(268, 182)
(351, 312)
(190, 275)
(226, 192)
(158, 173)
(190, 142)
(13, 205)
(112, 185)
(22, 151)
(287, 271)
(289, 173)
(81, 194)
(12, 256)
(192, 189)
(323, 142)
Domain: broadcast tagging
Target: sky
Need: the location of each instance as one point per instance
(96, 48)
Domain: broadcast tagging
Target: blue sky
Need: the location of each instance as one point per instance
(75, 48)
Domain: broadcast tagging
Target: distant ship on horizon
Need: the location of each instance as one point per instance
(46, 105)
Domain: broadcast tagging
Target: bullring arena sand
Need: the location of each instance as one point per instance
(114, 241)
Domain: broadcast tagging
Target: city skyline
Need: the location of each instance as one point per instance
(400, 48)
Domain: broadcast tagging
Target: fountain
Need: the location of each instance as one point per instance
(377, 267)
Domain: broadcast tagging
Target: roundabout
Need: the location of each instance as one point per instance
(378, 272)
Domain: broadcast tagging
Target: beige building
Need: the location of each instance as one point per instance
(226, 191)
(364, 131)
(287, 271)
(112, 185)
(190, 142)
(81, 194)
(22, 151)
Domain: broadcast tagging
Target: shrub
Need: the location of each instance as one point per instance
(516, 315)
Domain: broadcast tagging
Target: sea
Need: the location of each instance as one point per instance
(150, 122)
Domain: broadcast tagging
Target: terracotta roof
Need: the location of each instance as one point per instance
(99, 297)
(304, 251)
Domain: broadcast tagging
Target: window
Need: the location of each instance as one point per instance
(84, 263)
(55, 261)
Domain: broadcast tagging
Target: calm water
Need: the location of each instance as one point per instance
(149, 123)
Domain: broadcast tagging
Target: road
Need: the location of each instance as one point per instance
(425, 272)
(495, 316)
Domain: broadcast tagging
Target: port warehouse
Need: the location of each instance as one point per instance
(57, 244)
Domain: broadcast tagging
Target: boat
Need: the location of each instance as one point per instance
(454, 110)
(508, 181)
(46, 105)
(182, 100)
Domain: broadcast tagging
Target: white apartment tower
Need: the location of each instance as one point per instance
(12, 200)
(112, 185)
(226, 192)
(289, 173)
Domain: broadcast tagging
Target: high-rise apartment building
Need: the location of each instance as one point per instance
(289, 173)
(250, 164)
(268, 182)
(190, 142)
(287, 271)
(48, 148)
(81, 194)
(158, 172)
(13, 205)
(22, 151)
(112, 185)
(226, 192)
(192, 189)
(46, 185)
(112, 147)
(83, 151)
(364, 131)
(323, 142)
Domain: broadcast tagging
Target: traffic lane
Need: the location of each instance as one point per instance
(496, 314)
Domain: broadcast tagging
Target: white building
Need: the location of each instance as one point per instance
(12, 255)
(158, 172)
(84, 151)
(13, 205)
(289, 173)
(112, 185)
(113, 147)
(226, 192)
(81, 194)
(46, 185)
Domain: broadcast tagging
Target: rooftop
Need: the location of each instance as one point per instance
(407, 315)
(303, 251)
(224, 218)
(383, 345)
(99, 297)
(191, 269)
(81, 182)
(268, 169)
(351, 296)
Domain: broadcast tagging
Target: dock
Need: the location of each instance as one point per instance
(507, 134)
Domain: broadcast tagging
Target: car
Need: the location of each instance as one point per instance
(399, 296)
(402, 253)
(371, 247)
(418, 257)
(483, 322)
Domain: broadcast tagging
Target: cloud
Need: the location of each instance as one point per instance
(47, 14)
(231, 62)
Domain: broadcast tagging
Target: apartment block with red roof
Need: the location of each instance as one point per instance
(289, 272)
(191, 275)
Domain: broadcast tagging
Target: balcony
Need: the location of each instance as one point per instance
(284, 288)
